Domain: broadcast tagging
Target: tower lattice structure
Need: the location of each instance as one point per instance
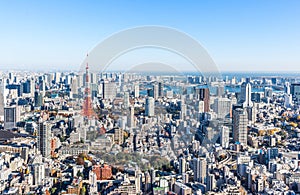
(87, 109)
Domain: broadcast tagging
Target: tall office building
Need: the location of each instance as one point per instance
(149, 106)
(211, 182)
(268, 92)
(38, 173)
(28, 86)
(160, 89)
(202, 93)
(224, 139)
(109, 90)
(240, 122)
(38, 99)
(200, 168)
(11, 116)
(136, 91)
(44, 138)
(295, 91)
(126, 100)
(74, 86)
(245, 96)
(288, 100)
(183, 109)
(220, 89)
(57, 77)
(287, 88)
(130, 118)
(155, 91)
(182, 165)
(222, 107)
(1, 100)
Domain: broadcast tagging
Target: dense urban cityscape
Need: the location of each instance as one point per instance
(133, 133)
(139, 97)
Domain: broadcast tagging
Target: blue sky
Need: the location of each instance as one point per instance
(245, 35)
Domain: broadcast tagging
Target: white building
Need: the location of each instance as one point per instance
(149, 106)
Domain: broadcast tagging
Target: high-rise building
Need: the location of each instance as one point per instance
(155, 91)
(245, 96)
(160, 89)
(240, 122)
(202, 93)
(130, 119)
(44, 138)
(295, 91)
(287, 88)
(220, 89)
(11, 116)
(222, 107)
(38, 173)
(182, 165)
(38, 99)
(268, 92)
(183, 109)
(74, 86)
(126, 100)
(211, 182)
(149, 106)
(1, 100)
(200, 167)
(57, 77)
(109, 90)
(288, 100)
(24, 154)
(224, 136)
(136, 90)
(28, 86)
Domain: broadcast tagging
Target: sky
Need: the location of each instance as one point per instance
(248, 35)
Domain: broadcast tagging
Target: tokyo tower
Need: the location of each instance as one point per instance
(87, 109)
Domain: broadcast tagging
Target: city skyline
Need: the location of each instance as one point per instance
(239, 36)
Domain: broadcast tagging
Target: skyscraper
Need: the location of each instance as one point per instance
(245, 97)
(211, 182)
(126, 100)
(202, 93)
(38, 173)
(287, 88)
(109, 90)
(295, 91)
(200, 167)
(268, 92)
(160, 89)
(155, 91)
(183, 109)
(222, 107)
(149, 106)
(38, 99)
(1, 100)
(43, 138)
(182, 165)
(130, 119)
(11, 116)
(136, 90)
(240, 122)
(224, 137)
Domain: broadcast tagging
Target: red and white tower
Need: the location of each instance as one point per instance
(87, 109)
